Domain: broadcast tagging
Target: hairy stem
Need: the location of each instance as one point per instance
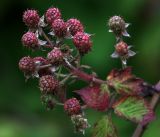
(82, 75)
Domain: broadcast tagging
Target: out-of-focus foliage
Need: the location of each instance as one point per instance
(21, 113)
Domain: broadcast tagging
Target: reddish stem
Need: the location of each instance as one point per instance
(154, 101)
(82, 75)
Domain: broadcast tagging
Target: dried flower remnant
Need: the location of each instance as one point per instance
(118, 26)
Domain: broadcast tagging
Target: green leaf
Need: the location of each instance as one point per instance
(135, 109)
(104, 128)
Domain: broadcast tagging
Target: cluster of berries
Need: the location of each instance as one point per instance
(72, 28)
(45, 68)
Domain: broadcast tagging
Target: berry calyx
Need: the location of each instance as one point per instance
(31, 18)
(122, 48)
(52, 14)
(39, 61)
(55, 56)
(72, 107)
(26, 64)
(74, 26)
(117, 25)
(30, 40)
(59, 28)
(48, 84)
(82, 42)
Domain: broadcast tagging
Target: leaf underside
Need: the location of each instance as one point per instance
(134, 109)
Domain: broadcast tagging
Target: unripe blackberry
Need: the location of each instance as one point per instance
(48, 84)
(122, 48)
(72, 106)
(74, 26)
(55, 56)
(59, 27)
(52, 14)
(82, 42)
(117, 25)
(30, 40)
(31, 18)
(27, 65)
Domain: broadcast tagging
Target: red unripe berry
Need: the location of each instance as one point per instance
(26, 64)
(48, 84)
(59, 27)
(122, 48)
(52, 14)
(30, 40)
(82, 42)
(31, 18)
(55, 56)
(72, 106)
(74, 26)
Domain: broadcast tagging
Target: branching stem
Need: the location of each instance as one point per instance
(154, 101)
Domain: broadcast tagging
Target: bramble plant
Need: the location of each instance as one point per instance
(122, 92)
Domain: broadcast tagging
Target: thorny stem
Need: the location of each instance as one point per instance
(154, 101)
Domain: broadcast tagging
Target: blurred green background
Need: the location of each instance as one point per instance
(21, 112)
